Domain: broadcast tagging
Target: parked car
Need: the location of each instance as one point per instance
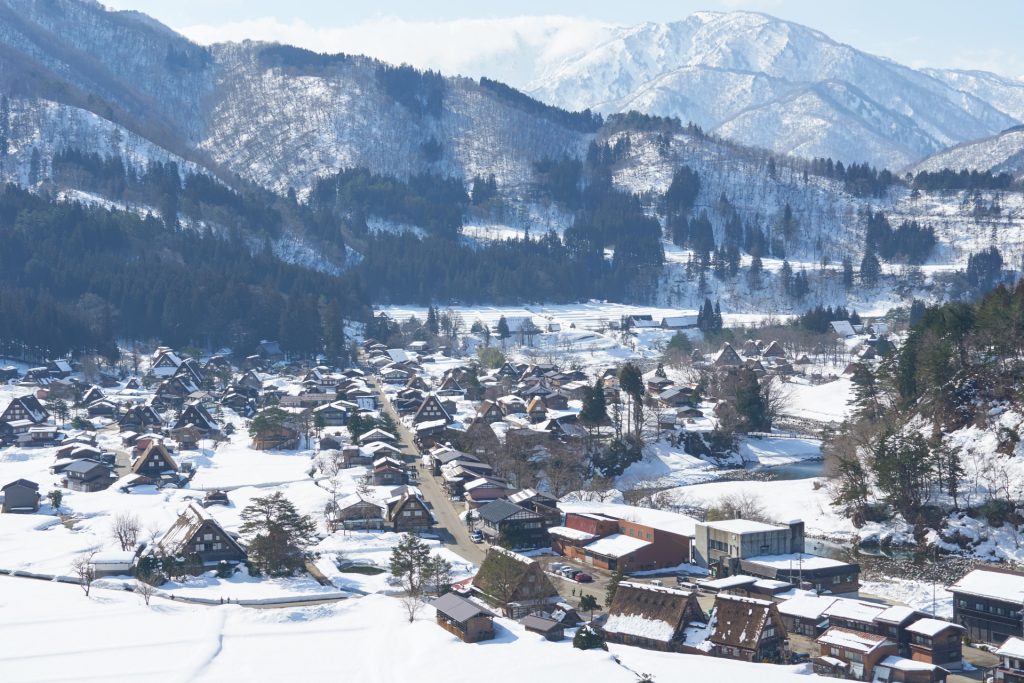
(556, 567)
(568, 572)
(583, 577)
(476, 537)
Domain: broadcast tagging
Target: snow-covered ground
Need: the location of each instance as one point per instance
(53, 632)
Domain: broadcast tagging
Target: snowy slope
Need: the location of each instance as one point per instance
(1003, 153)
(717, 69)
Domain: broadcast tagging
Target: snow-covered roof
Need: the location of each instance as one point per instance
(989, 584)
(931, 627)
(616, 545)
(1013, 647)
(896, 614)
(843, 327)
(640, 626)
(797, 561)
(113, 558)
(662, 520)
(743, 526)
(511, 553)
(856, 610)
(729, 582)
(806, 607)
(852, 640)
(904, 664)
(571, 534)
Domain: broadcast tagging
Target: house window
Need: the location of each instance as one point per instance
(207, 537)
(218, 546)
(200, 547)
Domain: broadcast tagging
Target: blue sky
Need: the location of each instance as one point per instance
(936, 33)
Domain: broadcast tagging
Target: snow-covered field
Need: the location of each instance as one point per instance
(52, 632)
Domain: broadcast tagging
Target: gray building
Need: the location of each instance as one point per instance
(719, 545)
(21, 495)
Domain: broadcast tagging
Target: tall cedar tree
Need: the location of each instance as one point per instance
(631, 381)
(278, 535)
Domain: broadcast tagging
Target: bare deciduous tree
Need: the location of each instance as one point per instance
(739, 505)
(85, 571)
(126, 529)
(145, 590)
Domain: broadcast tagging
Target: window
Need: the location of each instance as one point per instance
(218, 546)
(200, 547)
(207, 537)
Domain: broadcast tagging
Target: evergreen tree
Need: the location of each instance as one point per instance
(750, 402)
(866, 392)
(278, 535)
(410, 563)
(870, 269)
(754, 274)
(588, 638)
(903, 470)
(503, 331)
(595, 409)
(589, 603)
(34, 167)
(432, 323)
(613, 586)
(632, 382)
(847, 272)
(786, 277)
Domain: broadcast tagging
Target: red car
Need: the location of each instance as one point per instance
(583, 577)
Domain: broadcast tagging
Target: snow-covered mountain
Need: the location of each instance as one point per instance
(779, 85)
(273, 115)
(1002, 153)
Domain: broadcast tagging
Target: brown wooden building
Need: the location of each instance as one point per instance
(464, 618)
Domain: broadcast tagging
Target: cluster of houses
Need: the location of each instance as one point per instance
(767, 594)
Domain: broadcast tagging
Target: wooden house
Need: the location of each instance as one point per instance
(551, 629)
(431, 410)
(196, 415)
(407, 511)
(93, 393)
(388, 471)
(749, 629)
(652, 617)
(938, 642)
(270, 351)
(196, 533)
(165, 364)
(139, 419)
(514, 582)
(502, 520)
(1011, 661)
(450, 387)
(378, 434)
(356, 512)
(25, 408)
(851, 654)
(774, 350)
(987, 603)
(334, 414)
(172, 393)
(464, 618)
(489, 412)
(154, 462)
(20, 495)
(537, 410)
(87, 475)
(727, 357)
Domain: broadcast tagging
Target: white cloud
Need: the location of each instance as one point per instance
(516, 49)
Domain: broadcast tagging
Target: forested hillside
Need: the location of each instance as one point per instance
(936, 437)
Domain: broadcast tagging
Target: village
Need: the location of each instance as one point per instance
(143, 477)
